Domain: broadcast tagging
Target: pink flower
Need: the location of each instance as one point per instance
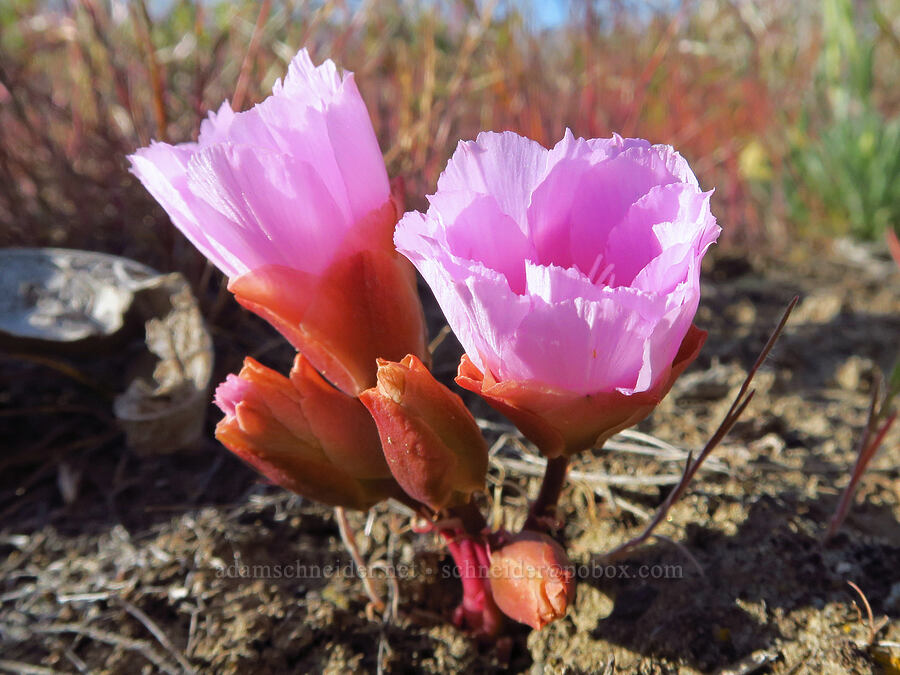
(291, 201)
(282, 183)
(566, 274)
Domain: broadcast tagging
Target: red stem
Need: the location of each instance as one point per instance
(551, 488)
(477, 612)
(866, 453)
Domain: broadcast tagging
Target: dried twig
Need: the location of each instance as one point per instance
(873, 626)
(743, 398)
(157, 632)
(141, 646)
(240, 88)
(350, 544)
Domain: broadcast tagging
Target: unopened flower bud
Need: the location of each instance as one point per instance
(532, 580)
(431, 441)
(304, 435)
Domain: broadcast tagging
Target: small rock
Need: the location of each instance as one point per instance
(854, 373)
(771, 444)
(742, 312)
(819, 308)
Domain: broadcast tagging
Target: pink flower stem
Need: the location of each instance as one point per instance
(468, 546)
(543, 508)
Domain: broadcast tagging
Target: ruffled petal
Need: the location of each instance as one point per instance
(217, 125)
(585, 344)
(663, 343)
(581, 200)
(478, 303)
(502, 246)
(231, 392)
(319, 116)
(162, 168)
(308, 84)
(274, 208)
(356, 150)
(505, 165)
(667, 215)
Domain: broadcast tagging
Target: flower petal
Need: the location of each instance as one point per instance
(581, 200)
(666, 216)
(274, 208)
(586, 345)
(480, 306)
(502, 247)
(505, 165)
(162, 168)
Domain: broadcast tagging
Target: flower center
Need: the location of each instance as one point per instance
(600, 273)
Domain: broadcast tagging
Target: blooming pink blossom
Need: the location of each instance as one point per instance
(291, 201)
(568, 272)
(282, 183)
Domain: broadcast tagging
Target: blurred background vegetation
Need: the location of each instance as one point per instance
(791, 110)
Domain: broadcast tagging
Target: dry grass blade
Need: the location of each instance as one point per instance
(350, 544)
(536, 466)
(141, 646)
(626, 441)
(240, 90)
(662, 452)
(743, 398)
(867, 450)
(873, 626)
(157, 632)
(21, 668)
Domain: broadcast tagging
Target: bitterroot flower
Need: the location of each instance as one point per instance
(571, 277)
(291, 201)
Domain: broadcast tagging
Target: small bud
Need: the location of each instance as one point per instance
(431, 441)
(304, 435)
(532, 580)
